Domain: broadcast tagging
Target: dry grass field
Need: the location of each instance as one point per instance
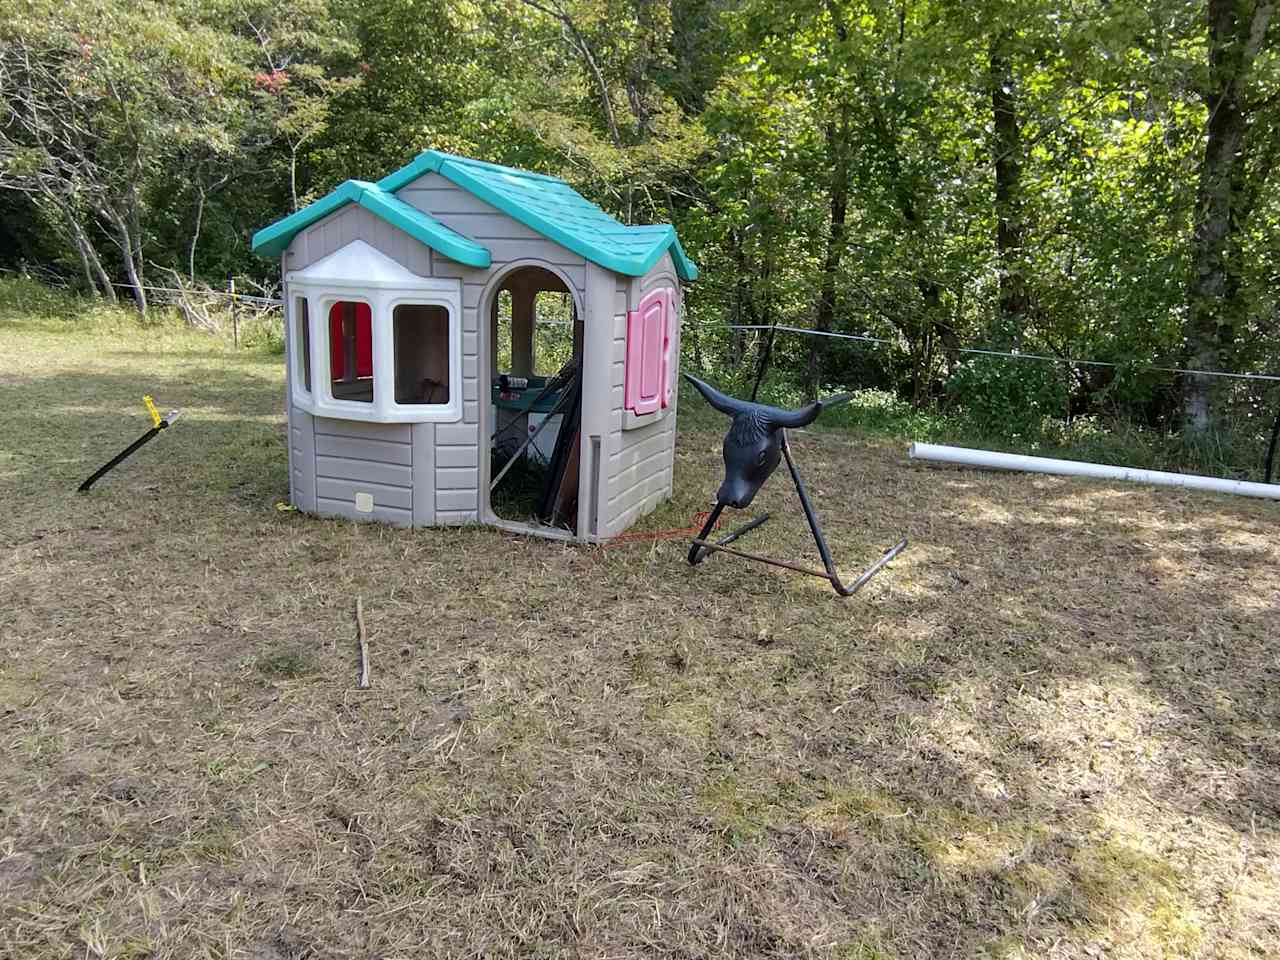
(1050, 729)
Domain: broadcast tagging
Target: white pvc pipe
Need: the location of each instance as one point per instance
(1078, 468)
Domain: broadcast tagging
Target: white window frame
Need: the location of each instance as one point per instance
(382, 299)
(297, 368)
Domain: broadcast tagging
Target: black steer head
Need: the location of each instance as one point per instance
(753, 445)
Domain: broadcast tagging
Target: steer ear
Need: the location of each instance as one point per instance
(721, 401)
(778, 418)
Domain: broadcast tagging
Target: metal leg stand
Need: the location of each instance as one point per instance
(699, 550)
(823, 550)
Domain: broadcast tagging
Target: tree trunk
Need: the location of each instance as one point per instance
(293, 175)
(824, 319)
(125, 242)
(95, 276)
(1006, 150)
(1215, 308)
(744, 298)
(104, 279)
(195, 235)
(89, 283)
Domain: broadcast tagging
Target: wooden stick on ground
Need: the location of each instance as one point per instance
(362, 674)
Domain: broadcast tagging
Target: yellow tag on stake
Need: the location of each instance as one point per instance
(151, 409)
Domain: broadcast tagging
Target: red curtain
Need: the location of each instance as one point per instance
(364, 340)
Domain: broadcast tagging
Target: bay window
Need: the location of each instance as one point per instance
(389, 340)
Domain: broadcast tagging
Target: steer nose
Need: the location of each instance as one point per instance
(736, 495)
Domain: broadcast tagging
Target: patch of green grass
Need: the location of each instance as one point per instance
(287, 664)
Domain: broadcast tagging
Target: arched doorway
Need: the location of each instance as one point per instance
(534, 351)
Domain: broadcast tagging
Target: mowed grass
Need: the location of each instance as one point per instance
(1049, 729)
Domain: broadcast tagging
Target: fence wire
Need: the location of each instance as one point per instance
(1011, 354)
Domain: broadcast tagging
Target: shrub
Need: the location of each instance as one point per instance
(1010, 397)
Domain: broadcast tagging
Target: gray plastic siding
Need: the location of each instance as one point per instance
(375, 458)
(640, 461)
(508, 240)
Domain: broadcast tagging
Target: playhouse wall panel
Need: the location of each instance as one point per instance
(506, 238)
(639, 459)
(374, 459)
(424, 474)
(487, 225)
(661, 274)
(344, 468)
(635, 468)
(453, 500)
(639, 467)
(468, 456)
(455, 478)
(436, 194)
(302, 458)
(383, 494)
(442, 266)
(379, 451)
(359, 430)
(355, 223)
(455, 434)
(346, 509)
(454, 517)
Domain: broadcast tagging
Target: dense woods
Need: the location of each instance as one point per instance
(1088, 180)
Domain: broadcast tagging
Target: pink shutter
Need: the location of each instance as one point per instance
(669, 362)
(646, 354)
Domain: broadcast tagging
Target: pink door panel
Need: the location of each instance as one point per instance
(647, 347)
(669, 363)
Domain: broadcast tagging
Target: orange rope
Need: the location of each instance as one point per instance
(645, 536)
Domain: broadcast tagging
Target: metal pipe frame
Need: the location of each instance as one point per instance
(700, 546)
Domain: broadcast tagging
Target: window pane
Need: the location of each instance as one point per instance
(302, 341)
(351, 351)
(421, 336)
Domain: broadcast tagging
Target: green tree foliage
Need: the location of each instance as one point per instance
(1088, 180)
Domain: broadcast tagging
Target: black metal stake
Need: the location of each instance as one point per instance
(126, 452)
(1271, 450)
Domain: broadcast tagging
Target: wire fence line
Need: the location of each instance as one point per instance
(206, 292)
(1011, 354)
(268, 302)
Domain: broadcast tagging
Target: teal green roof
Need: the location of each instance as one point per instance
(545, 204)
(272, 240)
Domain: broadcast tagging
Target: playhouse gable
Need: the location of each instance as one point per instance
(357, 261)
